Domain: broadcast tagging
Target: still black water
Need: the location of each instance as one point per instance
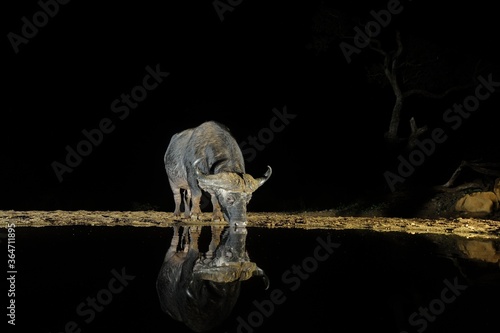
(102, 279)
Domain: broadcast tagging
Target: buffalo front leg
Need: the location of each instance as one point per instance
(195, 205)
(217, 212)
(195, 198)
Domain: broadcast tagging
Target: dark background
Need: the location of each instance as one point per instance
(262, 56)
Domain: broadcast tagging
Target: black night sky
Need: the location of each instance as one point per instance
(272, 71)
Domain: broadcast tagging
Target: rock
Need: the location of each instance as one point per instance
(480, 202)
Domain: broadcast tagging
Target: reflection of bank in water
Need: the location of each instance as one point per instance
(481, 250)
(201, 289)
(484, 250)
(471, 257)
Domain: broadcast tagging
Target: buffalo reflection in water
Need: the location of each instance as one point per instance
(201, 290)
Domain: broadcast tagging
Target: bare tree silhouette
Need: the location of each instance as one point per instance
(407, 64)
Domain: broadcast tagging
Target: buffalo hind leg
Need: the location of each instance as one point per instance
(177, 200)
(187, 203)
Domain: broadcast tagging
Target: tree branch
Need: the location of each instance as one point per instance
(455, 175)
(390, 70)
(416, 132)
(428, 94)
(486, 168)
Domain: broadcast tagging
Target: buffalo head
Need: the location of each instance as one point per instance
(232, 190)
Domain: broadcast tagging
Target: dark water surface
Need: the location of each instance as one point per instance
(102, 279)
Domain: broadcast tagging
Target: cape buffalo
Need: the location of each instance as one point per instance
(208, 158)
